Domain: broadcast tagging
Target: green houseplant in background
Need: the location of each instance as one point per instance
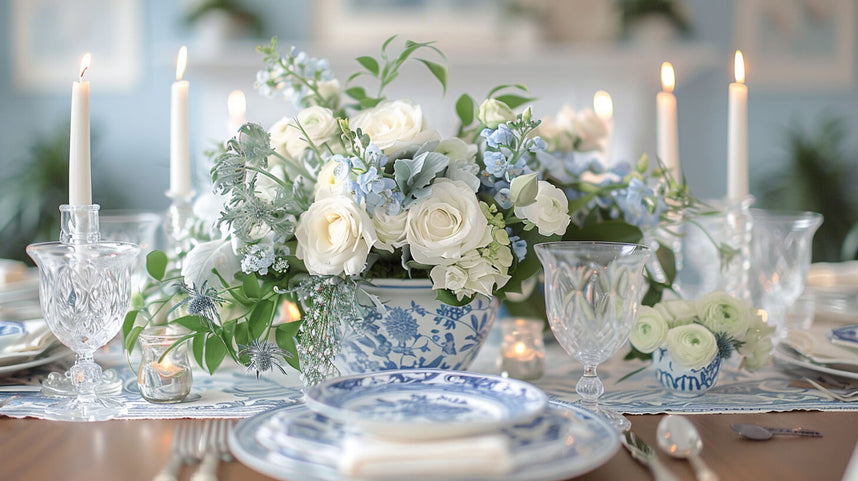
(816, 177)
(31, 196)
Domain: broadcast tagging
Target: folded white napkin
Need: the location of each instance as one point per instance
(12, 271)
(467, 457)
(833, 274)
(815, 344)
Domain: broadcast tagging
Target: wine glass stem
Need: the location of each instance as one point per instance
(590, 387)
(85, 375)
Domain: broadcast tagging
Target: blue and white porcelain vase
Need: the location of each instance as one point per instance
(417, 331)
(683, 381)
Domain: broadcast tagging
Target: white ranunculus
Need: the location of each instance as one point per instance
(390, 229)
(473, 274)
(691, 345)
(721, 312)
(318, 123)
(677, 312)
(650, 330)
(335, 236)
(549, 211)
(493, 112)
(393, 125)
(327, 183)
(756, 349)
(446, 225)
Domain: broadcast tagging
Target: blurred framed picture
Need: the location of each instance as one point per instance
(796, 44)
(359, 24)
(49, 37)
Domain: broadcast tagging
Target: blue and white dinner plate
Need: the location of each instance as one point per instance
(845, 336)
(426, 403)
(295, 443)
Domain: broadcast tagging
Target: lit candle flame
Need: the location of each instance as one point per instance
(85, 63)
(602, 105)
(668, 78)
(519, 348)
(739, 67)
(181, 62)
(236, 104)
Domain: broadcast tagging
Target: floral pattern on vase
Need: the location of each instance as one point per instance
(417, 331)
(683, 381)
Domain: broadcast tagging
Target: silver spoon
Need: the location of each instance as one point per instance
(677, 437)
(763, 433)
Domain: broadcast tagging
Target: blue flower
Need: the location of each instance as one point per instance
(495, 163)
(536, 144)
(499, 136)
(400, 325)
(518, 245)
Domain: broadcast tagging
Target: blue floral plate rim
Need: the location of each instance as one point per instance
(261, 443)
(845, 336)
(426, 403)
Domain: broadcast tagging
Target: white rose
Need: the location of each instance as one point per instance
(677, 312)
(549, 211)
(393, 125)
(691, 345)
(446, 225)
(334, 236)
(318, 123)
(217, 254)
(449, 277)
(328, 88)
(592, 131)
(493, 112)
(650, 330)
(328, 184)
(474, 274)
(390, 229)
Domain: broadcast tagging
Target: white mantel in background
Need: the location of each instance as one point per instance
(557, 75)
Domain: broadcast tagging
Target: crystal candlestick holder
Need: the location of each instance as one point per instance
(178, 226)
(84, 288)
(164, 375)
(738, 231)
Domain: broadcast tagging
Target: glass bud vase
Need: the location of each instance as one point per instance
(164, 375)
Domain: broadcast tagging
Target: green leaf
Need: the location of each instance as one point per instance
(369, 102)
(667, 259)
(449, 298)
(530, 265)
(128, 323)
(370, 64)
(465, 107)
(417, 173)
(242, 334)
(284, 335)
(354, 76)
(610, 230)
(514, 101)
(215, 352)
(357, 93)
(260, 318)
(438, 70)
(387, 42)
(250, 286)
(198, 347)
(192, 322)
(131, 338)
(156, 264)
(521, 87)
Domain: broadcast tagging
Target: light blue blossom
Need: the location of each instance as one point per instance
(518, 245)
(258, 258)
(499, 136)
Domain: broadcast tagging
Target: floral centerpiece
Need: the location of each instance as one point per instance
(357, 187)
(694, 335)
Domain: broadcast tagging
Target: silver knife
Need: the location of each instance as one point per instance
(641, 451)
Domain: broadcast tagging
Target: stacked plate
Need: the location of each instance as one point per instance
(424, 424)
(27, 344)
(822, 348)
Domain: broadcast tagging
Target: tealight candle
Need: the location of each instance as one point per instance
(522, 350)
(163, 377)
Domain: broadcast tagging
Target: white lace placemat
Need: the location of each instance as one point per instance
(235, 393)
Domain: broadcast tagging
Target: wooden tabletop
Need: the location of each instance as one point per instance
(35, 450)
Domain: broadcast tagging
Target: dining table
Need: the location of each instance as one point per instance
(138, 445)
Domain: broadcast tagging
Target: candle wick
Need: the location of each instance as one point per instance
(83, 72)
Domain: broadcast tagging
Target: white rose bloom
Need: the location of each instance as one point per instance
(650, 330)
(592, 132)
(327, 183)
(318, 123)
(393, 125)
(691, 345)
(335, 236)
(549, 211)
(449, 277)
(493, 112)
(472, 275)
(390, 229)
(677, 312)
(446, 225)
(328, 88)
(217, 254)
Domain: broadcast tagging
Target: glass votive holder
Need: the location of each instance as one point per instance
(522, 354)
(164, 375)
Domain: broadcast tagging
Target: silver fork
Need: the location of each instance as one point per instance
(213, 447)
(184, 448)
(846, 397)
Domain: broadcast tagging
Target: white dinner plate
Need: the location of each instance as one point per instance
(294, 443)
(426, 403)
(54, 354)
(792, 359)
